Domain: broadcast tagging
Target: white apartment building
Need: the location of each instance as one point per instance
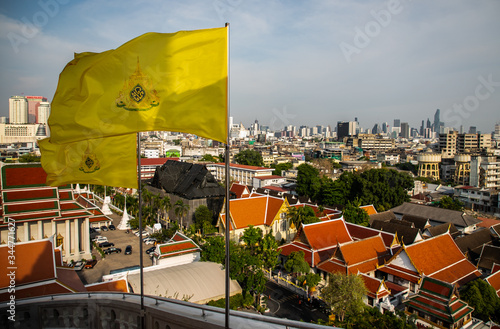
(485, 172)
(240, 173)
(18, 110)
(18, 133)
(43, 112)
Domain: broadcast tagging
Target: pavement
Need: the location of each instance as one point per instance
(117, 260)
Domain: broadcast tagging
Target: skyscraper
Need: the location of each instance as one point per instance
(18, 110)
(437, 122)
(405, 130)
(43, 112)
(397, 123)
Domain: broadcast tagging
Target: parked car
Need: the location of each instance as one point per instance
(99, 239)
(78, 266)
(90, 263)
(128, 250)
(92, 230)
(150, 250)
(104, 228)
(106, 244)
(144, 233)
(112, 250)
(112, 227)
(149, 241)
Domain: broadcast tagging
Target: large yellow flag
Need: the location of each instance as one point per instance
(157, 81)
(110, 161)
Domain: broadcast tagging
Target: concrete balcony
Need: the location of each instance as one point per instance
(120, 310)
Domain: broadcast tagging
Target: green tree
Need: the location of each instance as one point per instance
(213, 250)
(344, 293)
(181, 209)
(29, 158)
(301, 215)
(447, 202)
(249, 158)
(209, 158)
(165, 206)
(308, 182)
(353, 214)
(268, 250)
(480, 295)
(280, 167)
(203, 220)
(296, 263)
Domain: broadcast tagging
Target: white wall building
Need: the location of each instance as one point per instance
(18, 110)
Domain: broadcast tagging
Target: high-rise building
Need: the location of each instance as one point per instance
(405, 130)
(422, 128)
(397, 123)
(437, 122)
(472, 130)
(43, 112)
(429, 124)
(18, 110)
(33, 104)
(385, 127)
(345, 128)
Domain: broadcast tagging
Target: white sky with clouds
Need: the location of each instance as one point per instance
(287, 65)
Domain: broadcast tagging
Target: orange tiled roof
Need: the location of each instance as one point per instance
(35, 262)
(253, 211)
(370, 209)
(326, 234)
(494, 281)
(364, 255)
(176, 248)
(440, 256)
(69, 278)
(117, 285)
(50, 288)
(26, 175)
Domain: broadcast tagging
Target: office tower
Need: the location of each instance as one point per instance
(43, 112)
(405, 130)
(414, 132)
(472, 130)
(429, 124)
(376, 129)
(397, 123)
(384, 127)
(18, 110)
(437, 122)
(422, 127)
(33, 104)
(345, 128)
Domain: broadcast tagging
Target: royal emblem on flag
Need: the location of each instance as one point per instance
(89, 163)
(138, 93)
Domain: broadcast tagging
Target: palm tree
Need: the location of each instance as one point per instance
(165, 205)
(181, 210)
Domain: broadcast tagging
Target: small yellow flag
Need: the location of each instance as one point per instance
(157, 81)
(110, 161)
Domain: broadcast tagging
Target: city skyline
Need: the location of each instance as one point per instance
(291, 63)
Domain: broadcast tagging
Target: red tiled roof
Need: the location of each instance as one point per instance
(98, 219)
(364, 255)
(35, 262)
(359, 232)
(37, 215)
(177, 247)
(268, 177)
(31, 194)
(400, 273)
(70, 279)
(333, 266)
(488, 222)
(26, 207)
(239, 190)
(376, 288)
(155, 161)
(17, 176)
(234, 165)
(70, 206)
(50, 288)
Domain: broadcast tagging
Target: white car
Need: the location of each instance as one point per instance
(78, 266)
(149, 241)
(144, 233)
(100, 239)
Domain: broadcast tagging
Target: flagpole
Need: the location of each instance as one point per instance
(140, 226)
(228, 221)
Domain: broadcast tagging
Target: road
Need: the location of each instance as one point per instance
(286, 304)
